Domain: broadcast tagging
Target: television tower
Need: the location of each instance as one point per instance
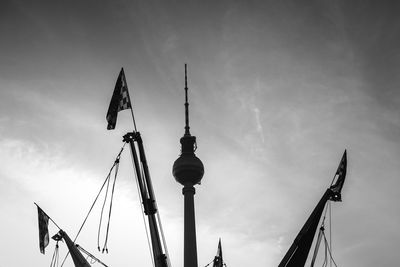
(188, 171)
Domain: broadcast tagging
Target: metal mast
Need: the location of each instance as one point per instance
(158, 246)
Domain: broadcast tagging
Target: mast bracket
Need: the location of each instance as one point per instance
(131, 136)
(149, 206)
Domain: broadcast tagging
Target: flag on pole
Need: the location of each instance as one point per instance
(341, 175)
(341, 171)
(120, 100)
(43, 229)
(218, 261)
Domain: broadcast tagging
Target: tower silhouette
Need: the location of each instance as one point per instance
(188, 170)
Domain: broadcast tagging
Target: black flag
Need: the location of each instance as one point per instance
(218, 261)
(341, 175)
(43, 229)
(120, 100)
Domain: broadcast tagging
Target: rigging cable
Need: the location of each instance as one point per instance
(330, 232)
(90, 257)
(325, 263)
(330, 252)
(161, 230)
(94, 202)
(317, 244)
(55, 258)
(158, 218)
(320, 234)
(163, 237)
(118, 156)
(109, 211)
(209, 263)
(327, 244)
(102, 211)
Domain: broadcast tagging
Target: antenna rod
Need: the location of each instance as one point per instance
(187, 132)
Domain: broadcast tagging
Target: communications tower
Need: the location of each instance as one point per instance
(188, 171)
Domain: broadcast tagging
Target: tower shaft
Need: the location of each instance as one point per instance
(190, 247)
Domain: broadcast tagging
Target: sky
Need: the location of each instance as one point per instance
(277, 91)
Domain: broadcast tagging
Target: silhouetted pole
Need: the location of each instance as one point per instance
(188, 171)
(190, 249)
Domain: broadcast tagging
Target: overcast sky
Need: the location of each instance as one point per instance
(277, 91)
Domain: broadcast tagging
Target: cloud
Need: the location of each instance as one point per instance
(258, 123)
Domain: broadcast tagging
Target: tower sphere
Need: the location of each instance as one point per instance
(188, 169)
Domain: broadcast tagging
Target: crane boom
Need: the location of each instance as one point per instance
(148, 199)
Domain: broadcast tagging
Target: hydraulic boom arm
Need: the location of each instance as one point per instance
(148, 199)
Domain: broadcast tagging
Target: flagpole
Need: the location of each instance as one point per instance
(47, 216)
(133, 118)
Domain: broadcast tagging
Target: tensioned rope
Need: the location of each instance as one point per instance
(330, 233)
(90, 257)
(102, 211)
(105, 248)
(55, 258)
(223, 264)
(160, 225)
(329, 250)
(163, 237)
(327, 244)
(109, 211)
(209, 263)
(94, 202)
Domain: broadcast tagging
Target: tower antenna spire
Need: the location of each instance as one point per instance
(188, 170)
(187, 132)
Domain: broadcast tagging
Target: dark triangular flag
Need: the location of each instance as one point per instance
(43, 229)
(341, 175)
(120, 100)
(218, 261)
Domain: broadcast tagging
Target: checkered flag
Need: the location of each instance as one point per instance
(43, 229)
(341, 175)
(119, 101)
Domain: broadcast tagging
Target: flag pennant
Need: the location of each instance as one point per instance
(341, 171)
(218, 261)
(341, 175)
(43, 230)
(120, 100)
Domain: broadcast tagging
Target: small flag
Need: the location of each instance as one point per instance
(43, 229)
(341, 171)
(341, 175)
(120, 100)
(218, 261)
